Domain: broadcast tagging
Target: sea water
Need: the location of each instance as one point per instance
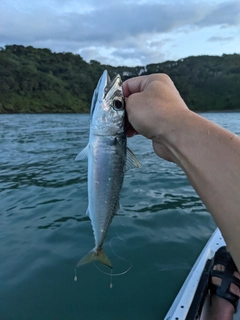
(160, 230)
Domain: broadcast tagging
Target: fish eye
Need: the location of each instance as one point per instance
(118, 105)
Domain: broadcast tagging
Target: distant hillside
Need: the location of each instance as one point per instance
(38, 80)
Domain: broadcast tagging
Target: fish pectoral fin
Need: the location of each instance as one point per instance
(83, 154)
(87, 212)
(119, 149)
(132, 161)
(93, 256)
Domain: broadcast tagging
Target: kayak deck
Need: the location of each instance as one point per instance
(193, 292)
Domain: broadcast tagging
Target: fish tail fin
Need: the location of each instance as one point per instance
(94, 255)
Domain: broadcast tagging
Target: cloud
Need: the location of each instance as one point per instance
(115, 20)
(101, 28)
(225, 14)
(220, 39)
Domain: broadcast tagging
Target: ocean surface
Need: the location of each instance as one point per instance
(160, 230)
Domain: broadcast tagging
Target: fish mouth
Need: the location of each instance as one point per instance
(114, 83)
(103, 82)
(99, 91)
(104, 85)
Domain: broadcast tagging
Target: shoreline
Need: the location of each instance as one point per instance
(86, 113)
(196, 111)
(218, 111)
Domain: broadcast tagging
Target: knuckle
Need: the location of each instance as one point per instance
(160, 77)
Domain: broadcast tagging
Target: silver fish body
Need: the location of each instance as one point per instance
(108, 158)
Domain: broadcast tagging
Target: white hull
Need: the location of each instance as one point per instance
(182, 302)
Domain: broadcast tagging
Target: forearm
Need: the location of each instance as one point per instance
(210, 157)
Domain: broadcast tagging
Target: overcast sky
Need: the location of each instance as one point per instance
(125, 32)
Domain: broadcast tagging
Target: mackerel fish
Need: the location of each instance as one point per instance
(108, 158)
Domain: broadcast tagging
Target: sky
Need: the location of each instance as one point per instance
(124, 32)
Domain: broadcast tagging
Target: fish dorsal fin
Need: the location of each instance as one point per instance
(132, 161)
(83, 154)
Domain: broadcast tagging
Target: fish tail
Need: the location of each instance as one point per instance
(94, 255)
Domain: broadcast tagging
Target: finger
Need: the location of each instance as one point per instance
(130, 132)
(134, 85)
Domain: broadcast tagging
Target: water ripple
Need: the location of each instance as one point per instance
(161, 227)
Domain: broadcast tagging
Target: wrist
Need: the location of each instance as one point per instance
(169, 139)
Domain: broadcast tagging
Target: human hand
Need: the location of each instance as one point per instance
(154, 109)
